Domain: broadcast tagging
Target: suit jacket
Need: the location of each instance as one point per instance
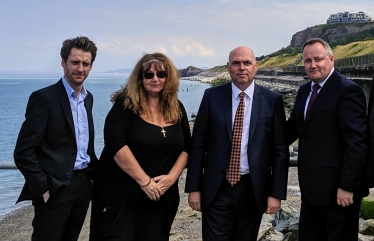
(332, 139)
(268, 154)
(370, 158)
(46, 147)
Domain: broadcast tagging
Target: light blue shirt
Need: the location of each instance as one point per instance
(248, 101)
(79, 113)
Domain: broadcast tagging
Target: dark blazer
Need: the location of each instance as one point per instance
(46, 148)
(268, 154)
(370, 158)
(332, 139)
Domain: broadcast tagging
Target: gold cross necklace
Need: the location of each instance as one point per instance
(162, 126)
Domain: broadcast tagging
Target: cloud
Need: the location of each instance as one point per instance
(188, 47)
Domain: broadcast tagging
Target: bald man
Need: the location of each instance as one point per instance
(232, 204)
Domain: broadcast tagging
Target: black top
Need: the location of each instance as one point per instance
(155, 153)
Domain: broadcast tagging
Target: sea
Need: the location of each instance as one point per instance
(15, 89)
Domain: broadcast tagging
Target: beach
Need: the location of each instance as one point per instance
(16, 226)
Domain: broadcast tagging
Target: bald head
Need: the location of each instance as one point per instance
(242, 66)
(242, 49)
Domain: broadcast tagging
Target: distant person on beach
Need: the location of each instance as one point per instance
(55, 148)
(329, 119)
(147, 141)
(238, 167)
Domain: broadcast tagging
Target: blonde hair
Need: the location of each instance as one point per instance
(136, 97)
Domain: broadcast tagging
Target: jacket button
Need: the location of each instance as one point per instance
(68, 175)
(73, 155)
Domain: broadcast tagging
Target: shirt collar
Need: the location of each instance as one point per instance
(249, 91)
(323, 82)
(70, 91)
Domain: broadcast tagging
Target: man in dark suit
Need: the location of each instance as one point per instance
(55, 147)
(330, 121)
(233, 210)
(370, 156)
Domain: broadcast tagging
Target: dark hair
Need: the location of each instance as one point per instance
(80, 42)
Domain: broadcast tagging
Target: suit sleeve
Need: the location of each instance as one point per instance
(370, 157)
(352, 123)
(199, 145)
(29, 138)
(281, 154)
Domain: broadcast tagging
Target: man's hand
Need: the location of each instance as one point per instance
(194, 199)
(344, 198)
(273, 205)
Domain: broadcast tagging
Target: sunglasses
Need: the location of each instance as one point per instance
(149, 75)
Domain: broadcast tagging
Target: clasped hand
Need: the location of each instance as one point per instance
(157, 187)
(344, 198)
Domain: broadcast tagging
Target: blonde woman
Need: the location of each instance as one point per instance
(147, 140)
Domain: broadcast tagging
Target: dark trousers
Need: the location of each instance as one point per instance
(329, 223)
(62, 217)
(233, 214)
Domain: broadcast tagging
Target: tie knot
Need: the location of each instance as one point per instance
(241, 96)
(316, 87)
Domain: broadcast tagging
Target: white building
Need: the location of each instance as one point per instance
(348, 17)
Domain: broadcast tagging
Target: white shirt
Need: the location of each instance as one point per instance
(248, 97)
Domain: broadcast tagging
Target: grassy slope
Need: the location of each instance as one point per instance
(340, 52)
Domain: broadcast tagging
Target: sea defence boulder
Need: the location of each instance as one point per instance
(7, 165)
(367, 207)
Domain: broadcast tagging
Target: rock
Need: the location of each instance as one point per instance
(367, 207)
(264, 227)
(365, 238)
(189, 71)
(271, 235)
(291, 236)
(267, 218)
(366, 227)
(329, 33)
(287, 219)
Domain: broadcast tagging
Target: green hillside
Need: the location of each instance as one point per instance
(282, 58)
(290, 55)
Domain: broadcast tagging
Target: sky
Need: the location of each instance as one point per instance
(197, 33)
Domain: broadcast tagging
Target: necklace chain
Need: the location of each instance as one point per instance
(158, 123)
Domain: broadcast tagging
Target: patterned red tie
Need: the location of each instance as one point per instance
(313, 96)
(233, 170)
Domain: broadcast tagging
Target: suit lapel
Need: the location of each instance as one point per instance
(88, 105)
(64, 100)
(227, 107)
(322, 95)
(256, 111)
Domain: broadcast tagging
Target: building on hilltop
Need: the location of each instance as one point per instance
(348, 17)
